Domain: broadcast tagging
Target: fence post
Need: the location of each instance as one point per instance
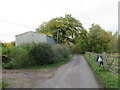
(110, 64)
(105, 61)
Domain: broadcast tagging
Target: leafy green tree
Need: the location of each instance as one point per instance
(82, 42)
(99, 39)
(118, 43)
(114, 42)
(42, 28)
(63, 29)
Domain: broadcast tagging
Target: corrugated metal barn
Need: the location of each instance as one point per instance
(30, 36)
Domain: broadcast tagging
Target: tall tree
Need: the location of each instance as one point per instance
(99, 39)
(64, 29)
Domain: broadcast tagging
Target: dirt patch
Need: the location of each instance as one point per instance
(27, 78)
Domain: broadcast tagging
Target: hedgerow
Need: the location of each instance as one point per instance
(35, 54)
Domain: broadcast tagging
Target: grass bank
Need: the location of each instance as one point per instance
(107, 78)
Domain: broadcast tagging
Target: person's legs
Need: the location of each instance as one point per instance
(98, 64)
(101, 63)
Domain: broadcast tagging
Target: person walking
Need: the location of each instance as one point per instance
(99, 60)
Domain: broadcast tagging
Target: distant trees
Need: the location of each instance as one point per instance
(114, 42)
(118, 43)
(7, 44)
(99, 39)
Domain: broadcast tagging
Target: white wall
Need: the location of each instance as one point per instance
(37, 37)
(29, 37)
(23, 38)
(50, 40)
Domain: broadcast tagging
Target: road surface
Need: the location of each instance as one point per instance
(75, 74)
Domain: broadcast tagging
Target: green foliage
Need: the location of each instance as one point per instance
(107, 78)
(35, 54)
(13, 43)
(4, 84)
(64, 29)
(69, 30)
(5, 45)
(118, 43)
(81, 47)
(99, 39)
(8, 65)
(10, 51)
(41, 53)
(61, 52)
(18, 57)
(45, 54)
(114, 43)
(52, 65)
(76, 49)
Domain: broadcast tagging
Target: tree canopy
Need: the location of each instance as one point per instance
(64, 29)
(114, 42)
(69, 30)
(99, 39)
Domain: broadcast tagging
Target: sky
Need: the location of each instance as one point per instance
(19, 16)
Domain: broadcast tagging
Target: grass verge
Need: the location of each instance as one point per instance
(3, 84)
(107, 78)
(115, 55)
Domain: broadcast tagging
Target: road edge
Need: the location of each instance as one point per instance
(100, 85)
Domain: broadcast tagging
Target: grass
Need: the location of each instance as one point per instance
(107, 78)
(3, 84)
(51, 65)
(115, 55)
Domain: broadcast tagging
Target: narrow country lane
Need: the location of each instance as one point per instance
(75, 74)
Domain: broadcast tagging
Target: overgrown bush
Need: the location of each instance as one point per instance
(77, 49)
(9, 53)
(61, 52)
(8, 65)
(44, 53)
(18, 57)
(41, 53)
(35, 54)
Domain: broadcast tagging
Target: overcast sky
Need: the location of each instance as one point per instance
(19, 16)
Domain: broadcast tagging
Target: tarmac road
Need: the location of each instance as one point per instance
(74, 74)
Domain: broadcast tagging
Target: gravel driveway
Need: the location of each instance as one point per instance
(27, 78)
